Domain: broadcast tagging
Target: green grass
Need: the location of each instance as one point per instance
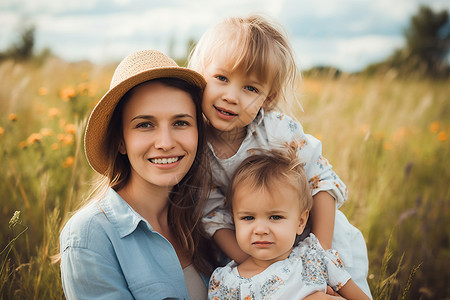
(387, 138)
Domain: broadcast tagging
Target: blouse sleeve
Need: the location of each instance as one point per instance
(327, 263)
(337, 275)
(87, 274)
(282, 129)
(216, 215)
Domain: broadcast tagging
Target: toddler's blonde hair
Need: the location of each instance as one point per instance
(266, 169)
(255, 45)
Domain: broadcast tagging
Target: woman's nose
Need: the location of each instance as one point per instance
(164, 139)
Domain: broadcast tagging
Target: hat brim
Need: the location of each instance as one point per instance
(96, 129)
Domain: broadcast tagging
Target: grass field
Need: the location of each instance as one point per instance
(388, 139)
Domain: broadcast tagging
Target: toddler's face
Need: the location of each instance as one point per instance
(267, 221)
(231, 99)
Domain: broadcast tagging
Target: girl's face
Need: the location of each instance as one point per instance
(159, 134)
(267, 221)
(231, 99)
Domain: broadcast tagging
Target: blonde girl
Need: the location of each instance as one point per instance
(251, 77)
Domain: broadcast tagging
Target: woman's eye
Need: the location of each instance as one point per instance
(144, 125)
(251, 89)
(181, 123)
(221, 78)
(276, 217)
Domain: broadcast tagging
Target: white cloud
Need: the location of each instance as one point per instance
(348, 54)
(344, 33)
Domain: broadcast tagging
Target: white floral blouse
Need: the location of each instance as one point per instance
(308, 269)
(268, 131)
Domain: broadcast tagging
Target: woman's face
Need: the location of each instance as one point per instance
(160, 134)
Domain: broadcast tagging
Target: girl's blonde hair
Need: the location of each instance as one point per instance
(267, 168)
(255, 45)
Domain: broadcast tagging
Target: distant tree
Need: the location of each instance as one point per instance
(427, 47)
(23, 49)
(25, 46)
(428, 39)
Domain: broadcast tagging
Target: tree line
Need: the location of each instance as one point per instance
(426, 51)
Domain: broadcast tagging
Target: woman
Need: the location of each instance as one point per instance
(142, 237)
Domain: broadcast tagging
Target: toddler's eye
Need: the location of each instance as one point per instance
(276, 217)
(251, 89)
(247, 218)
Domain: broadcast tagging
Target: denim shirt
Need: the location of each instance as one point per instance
(108, 251)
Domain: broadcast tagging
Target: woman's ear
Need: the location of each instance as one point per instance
(122, 148)
(302, 222)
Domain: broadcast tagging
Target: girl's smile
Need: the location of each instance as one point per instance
(232, 98)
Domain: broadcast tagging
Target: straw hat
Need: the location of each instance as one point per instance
(136, 68)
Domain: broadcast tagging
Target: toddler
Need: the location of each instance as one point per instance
(270, 201)
(251, 75)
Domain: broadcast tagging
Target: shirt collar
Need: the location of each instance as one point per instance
(121, 215)
(256, 122)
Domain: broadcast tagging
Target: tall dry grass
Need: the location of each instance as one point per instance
(386, 137)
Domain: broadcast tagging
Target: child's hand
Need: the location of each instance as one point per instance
(331, 292)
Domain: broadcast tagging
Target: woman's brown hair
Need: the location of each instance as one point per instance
(188, 197)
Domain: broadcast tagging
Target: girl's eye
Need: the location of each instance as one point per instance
(221, 78)
(247, 218)
(276, 217)
(251, 89)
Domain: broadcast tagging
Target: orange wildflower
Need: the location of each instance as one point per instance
(53, 112)
(387, 146)
(33, 138)
(70, 128)
(60, 136)
(67, 93)
(54, 146)
(442, 136)
(83, 88)
(42, 91)
(2, 130)
(434, 127)
(68, 162)
(23, 144)
(13, 117)
(46, 132)
(68, 139)
(400, 133)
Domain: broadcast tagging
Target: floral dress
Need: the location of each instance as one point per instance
(308, 269)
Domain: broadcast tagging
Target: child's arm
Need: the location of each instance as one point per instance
(351, 291)
(322, 296)
(226, 240)
(322, 218)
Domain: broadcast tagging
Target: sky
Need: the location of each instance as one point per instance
(347, 34)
